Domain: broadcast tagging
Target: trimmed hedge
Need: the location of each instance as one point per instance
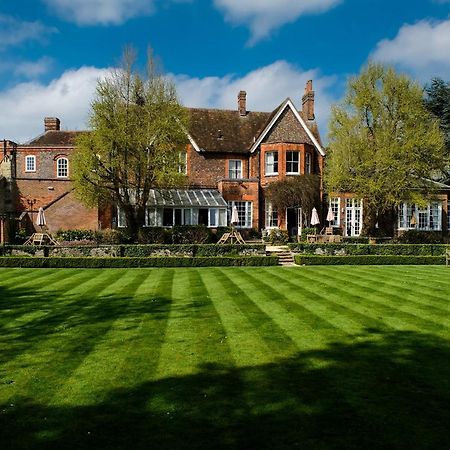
(367, 249)
(379, 260)
(135, 251)
(100, 263)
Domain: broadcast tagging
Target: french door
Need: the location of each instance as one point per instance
(353, 217)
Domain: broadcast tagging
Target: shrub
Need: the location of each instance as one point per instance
(420, 237)
(76, 235)
(277, 236)
(98, 263)
(191, 234)
(315, 260)
(306, 232)
(154, 235)
(367, 249)
(110, 236)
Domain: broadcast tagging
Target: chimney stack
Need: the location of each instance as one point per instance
(242, 103)
(52, 124)
(308, 101)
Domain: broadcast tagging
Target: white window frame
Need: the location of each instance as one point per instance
(121, 219)
(59, 169)
(271, 216)
(335, 204)
(308, 160)
(245, 210)
(353, 216)
(235, 173)
(30, 158)
(423, 216)
(291, 161)
(271, 164)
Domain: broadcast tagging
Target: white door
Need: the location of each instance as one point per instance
(353, 217)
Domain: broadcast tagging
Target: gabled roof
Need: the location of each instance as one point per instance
(273, 120)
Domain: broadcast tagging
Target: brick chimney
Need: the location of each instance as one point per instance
(52, 124)
(242, 103)
(308, 101)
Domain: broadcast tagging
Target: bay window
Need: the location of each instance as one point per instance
(292, 163)
(271, 163)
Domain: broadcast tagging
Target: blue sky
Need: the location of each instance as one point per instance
(53, 51)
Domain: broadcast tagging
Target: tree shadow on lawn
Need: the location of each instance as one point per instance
(382, 391)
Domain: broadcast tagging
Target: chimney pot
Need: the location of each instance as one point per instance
(52, 124)
(242, 103)
(308, 101)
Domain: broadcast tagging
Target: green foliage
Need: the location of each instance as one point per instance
(191, 234)
(367, 249)
(438, 102)
(100, 263)
(76, 235)
(307, 231)
(299, 191)
(360, 260)
(384, 144)
(420, 237)
(138, 131)
(154, 235)
(276, 236)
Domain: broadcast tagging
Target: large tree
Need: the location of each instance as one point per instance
(137, 135)
(438, 102)
(383, 145)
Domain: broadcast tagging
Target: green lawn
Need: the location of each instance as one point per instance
(220, 358)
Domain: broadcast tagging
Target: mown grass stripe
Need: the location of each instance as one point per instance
(117, 332)
(342, 301)
(439, 304)
(246, 345)
(391, 316)
(55, 346)
(387, 302)
(251, 303)
(39, 302)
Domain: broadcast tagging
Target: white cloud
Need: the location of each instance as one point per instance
(23, 107)
(266, 88)
(15, 32)
(264, 16)
(422, 49)
(26, 69)
(91, 12)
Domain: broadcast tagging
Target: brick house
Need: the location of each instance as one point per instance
(231, 157)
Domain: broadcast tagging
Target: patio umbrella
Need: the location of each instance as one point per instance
(314, 217)
(330, 215)
(413, 220)
(234, 216)
(40, 219)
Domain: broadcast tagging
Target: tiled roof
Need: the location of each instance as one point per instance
(55, 138)
(213, 130)
(186, 198)
(218, 130)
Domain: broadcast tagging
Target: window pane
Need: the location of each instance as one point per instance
(222, 217)
(292, 162)
(168, 217)
(30, 163)
(271, 162)
(271, 216)
(121, 220)
(234, 169)
(62, 165)
(213, 217)
(335, 203)
(187, 217)
(178, 214)
(244, 213)
(308, 163)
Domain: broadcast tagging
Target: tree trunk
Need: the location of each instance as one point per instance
(386, 222)
(135, 216)
(369, 220)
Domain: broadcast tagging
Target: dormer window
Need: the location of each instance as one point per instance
(271, 160)
(235, 169)
(62, 167)
(30, 163)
